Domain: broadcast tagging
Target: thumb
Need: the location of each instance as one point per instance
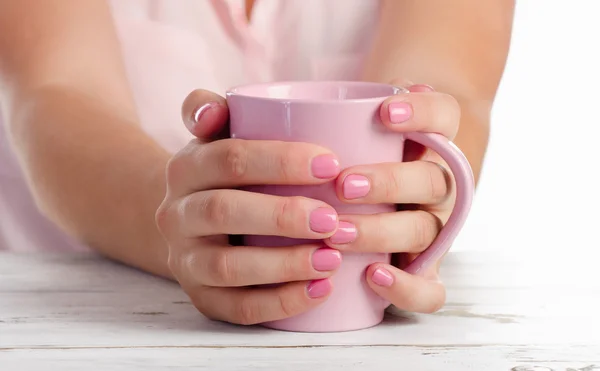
(205, 114)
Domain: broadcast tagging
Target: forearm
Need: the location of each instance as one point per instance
(93, 172)
(73, 123)
(458, 47)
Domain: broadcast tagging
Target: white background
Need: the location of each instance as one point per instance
(539, 191)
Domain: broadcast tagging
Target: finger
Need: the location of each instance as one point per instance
(407, 292)
(412, 150)
(204, 114)
(230, 211)
(234, 266)
(419, 182)
(249, 306)
(411, 86)
(426, 112)
(236, 162)
(420, 88)
(405, 231)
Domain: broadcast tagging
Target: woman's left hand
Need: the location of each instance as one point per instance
(423, 189)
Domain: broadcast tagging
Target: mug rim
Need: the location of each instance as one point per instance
(235, 91)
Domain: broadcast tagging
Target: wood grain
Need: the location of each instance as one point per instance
(501, 312)
(488, 358)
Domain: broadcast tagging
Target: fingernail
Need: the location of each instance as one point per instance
(355, 186)
(325, 166)
(319, 288)
(399, 112)
(326, 259)
(198, 112)
(382, 277)
(345, 233)
(421, 88)
(323, 220)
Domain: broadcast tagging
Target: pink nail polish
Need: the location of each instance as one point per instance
(382, 277)
(326, 259)
(325, 166)
(345, 233)
(197, 115)
(355, 186)
(323, 220)
(319, 288)
(399, 112)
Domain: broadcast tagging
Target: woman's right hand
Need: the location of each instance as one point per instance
(202, 207)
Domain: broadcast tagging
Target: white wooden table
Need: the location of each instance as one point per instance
(81, 312)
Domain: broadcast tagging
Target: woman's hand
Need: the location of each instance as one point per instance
(202, 207)
(422, 181)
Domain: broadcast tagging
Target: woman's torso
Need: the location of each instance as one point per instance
(172, 47)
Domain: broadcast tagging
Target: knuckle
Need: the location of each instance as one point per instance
(218, 210)
(174, 169)
(186, 264)
(188, 207)
(289, 305)
(161, 217)
(247, 311)
(378, 233)
(287, 267)
(424, 229)
(182, 263)
(235, 160)
(222, 268)
(173, 263)
(295, 265)
(190, 215)
(285, 214)
(291, 157)
(286, 165)
(392, 184)
(438, 187)
(179, 163)
(385, 234)
(199, 153)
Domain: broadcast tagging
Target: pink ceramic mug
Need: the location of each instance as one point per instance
(344, 117)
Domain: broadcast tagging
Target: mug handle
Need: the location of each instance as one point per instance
(465, 187)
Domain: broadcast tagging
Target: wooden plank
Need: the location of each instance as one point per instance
(77, 300)
(434, 358)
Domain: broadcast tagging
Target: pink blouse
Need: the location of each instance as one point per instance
(173, 47)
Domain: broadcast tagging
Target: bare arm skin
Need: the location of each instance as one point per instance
(459, 47)
(72, 120)
(95, 173)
